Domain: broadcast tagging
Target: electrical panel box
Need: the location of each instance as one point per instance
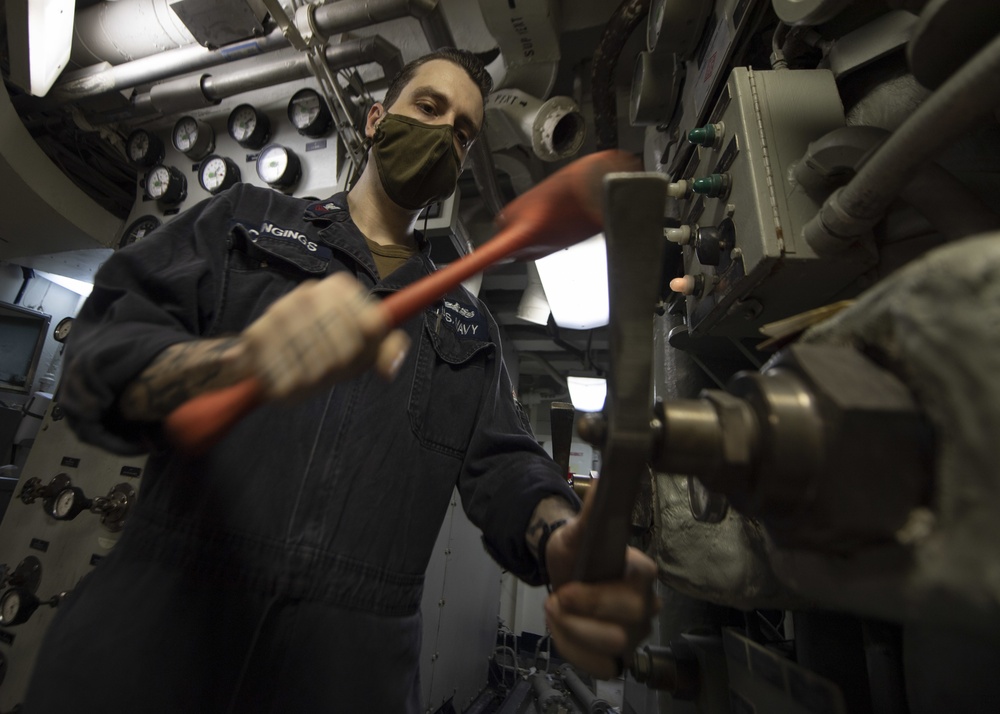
(750, 263)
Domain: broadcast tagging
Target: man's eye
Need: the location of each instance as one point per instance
(426, 109)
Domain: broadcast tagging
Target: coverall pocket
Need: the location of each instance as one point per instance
(447, 387)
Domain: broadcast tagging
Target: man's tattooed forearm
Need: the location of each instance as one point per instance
(180, 372)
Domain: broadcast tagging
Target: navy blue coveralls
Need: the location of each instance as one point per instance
(282, 571)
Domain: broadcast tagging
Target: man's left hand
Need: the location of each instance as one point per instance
(597, 626)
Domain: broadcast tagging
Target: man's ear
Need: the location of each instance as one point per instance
(375, 114)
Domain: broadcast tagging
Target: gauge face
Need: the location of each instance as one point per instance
(143, 148)
(249, 127)
(304, 110)
(192, 137)
(166, 184)
(158, 182)
(62, 329)
(185, 134)
(277, 166)
(10, 606)
(139, 229)
(308, 113)
(64, 503)
(218, 173)
(272, 164)
(243, 122)
(138, 145)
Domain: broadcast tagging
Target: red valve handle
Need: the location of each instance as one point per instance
(562, 210)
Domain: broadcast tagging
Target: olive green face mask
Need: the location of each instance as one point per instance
(417, 162)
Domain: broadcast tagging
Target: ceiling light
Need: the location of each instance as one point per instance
(576, 284)
(78, 286)
(40, 36)
(534, 307)
(587, 393)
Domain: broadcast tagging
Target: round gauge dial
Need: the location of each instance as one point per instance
(138, 230)
(69, 503)
(193, 137)
(166, 184)
(16, 606)
(250, 128)
(308, 113)
(62, 329)
(278, 166)
(143, 148)
(218, 173)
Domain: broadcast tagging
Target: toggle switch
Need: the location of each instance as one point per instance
(709, 135)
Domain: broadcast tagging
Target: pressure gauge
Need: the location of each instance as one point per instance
(69, 503)
(61, 333)
(16, 606)
(250, 128)
(166, 184)
(218, 173)
(278, 166)
(144, 149)
(193, 137)
(308, 113)
(138, 230)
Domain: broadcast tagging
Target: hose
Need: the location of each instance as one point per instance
(602, 79)
(972, 93)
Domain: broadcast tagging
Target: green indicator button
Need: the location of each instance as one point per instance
(713, 185)
(703, 135)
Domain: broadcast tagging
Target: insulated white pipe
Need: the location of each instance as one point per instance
(126, 30)
(554, 129)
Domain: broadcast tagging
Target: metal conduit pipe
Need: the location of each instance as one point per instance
(591, 703)
(950, 207)
(284, 66)
(330, 19)
(345, 15)
(325, 20)
(968, 96)
(89, 83)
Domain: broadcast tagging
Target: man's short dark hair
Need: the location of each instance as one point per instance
(468, 61)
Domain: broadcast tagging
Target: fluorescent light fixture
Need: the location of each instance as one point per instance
(40, 37)
(78, 286)
(587, 393)
(534, 307)
(576, 284)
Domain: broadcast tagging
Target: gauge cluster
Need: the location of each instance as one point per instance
(280, 140)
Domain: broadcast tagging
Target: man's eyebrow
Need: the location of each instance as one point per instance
(466, 122)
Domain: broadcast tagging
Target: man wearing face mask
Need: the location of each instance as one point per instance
(282, 571)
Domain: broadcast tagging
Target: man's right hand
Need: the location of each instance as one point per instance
(322, 332)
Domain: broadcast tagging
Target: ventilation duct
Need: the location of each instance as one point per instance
(528, 37)
(554, 129)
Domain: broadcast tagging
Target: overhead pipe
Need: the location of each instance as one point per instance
(187, 93)
(151, 28)
(326, 20)
(314, 21)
